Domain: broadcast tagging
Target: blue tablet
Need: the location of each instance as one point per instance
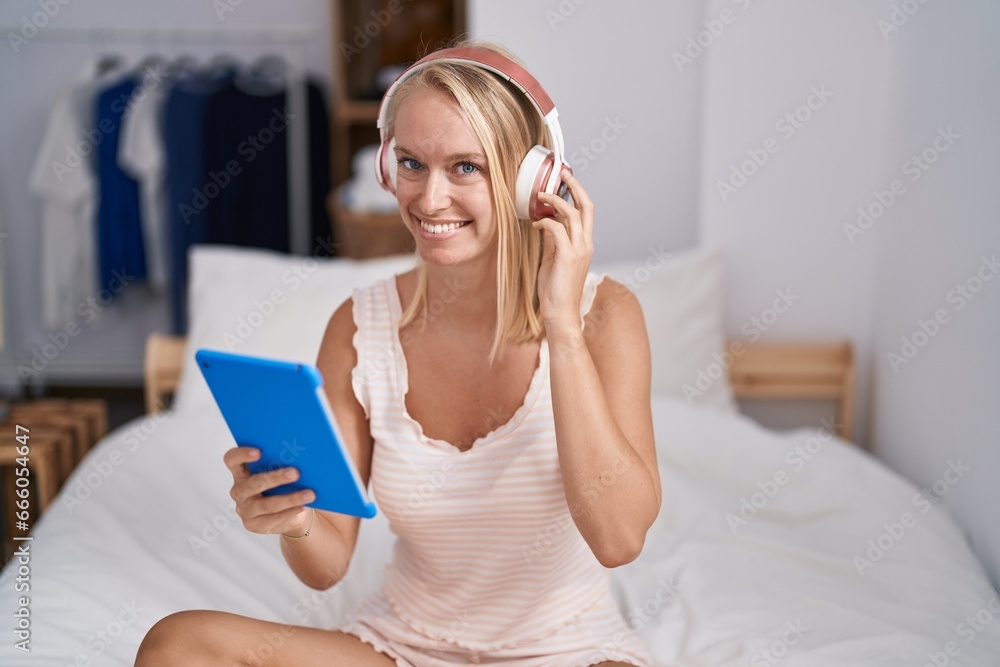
(280, 407)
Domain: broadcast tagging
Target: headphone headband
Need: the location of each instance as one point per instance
(506, 68)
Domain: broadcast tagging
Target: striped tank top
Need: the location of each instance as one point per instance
(487, 554)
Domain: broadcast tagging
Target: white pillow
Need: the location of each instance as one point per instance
(265, 303)
(681, 295)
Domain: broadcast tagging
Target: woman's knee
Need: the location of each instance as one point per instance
(181, 638)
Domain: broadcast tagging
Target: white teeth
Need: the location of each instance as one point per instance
(437, 229)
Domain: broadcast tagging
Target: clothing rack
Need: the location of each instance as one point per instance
(293, 38)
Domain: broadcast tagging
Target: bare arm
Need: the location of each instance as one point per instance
(604, 430)
(321, 559)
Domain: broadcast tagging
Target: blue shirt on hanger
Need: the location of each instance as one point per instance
(121, 256)
(183, 139)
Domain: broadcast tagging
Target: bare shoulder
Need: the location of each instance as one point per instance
(340, 330)
(338, 339)
(336, 361)
(615, 322)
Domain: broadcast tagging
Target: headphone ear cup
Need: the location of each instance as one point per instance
(386, 165)
(532, 177)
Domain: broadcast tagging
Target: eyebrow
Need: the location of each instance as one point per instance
(452, 157)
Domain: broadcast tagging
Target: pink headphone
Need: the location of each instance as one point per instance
(540, 169)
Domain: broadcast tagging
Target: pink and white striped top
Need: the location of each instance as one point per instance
(487, 555)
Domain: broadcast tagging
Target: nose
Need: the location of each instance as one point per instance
(436, 195)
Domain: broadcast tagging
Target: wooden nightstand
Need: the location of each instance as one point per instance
(45, 451)
(797, 370)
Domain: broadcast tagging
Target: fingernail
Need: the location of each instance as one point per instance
(291, 473)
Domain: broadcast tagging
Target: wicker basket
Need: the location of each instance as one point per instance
(364, 235)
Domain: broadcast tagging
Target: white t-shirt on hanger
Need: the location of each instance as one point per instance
(142, 156)
(63, 177)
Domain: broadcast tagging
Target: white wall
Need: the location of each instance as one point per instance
(782, 227)
(606, 61)
(785, 226)
(943, 405)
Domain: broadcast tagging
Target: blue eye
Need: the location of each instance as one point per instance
(404, 160)
(467, 168)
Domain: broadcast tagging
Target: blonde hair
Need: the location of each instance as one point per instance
(507, 125)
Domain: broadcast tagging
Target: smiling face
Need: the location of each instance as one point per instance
(442, 180)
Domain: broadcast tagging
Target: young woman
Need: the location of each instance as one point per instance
(497, 396)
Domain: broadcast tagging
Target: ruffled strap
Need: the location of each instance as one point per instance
(589, 293)
(360, 312)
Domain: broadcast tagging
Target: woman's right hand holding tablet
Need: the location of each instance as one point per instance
(267, 515)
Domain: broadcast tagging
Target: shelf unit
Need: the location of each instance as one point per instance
(795, 371)
(373, 39)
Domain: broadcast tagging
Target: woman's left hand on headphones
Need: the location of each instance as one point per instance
(567, 248)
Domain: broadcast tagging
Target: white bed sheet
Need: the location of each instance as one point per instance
(158, 535)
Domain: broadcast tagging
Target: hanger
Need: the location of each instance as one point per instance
(151, 65)
(270, 64)
(182, 63)
(268, 75)
(221, 64)
(153, 60)
(109, 62)
(106, 62)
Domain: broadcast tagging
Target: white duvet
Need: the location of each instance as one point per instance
(790, 549)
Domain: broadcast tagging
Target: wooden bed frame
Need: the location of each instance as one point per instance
(756, 371)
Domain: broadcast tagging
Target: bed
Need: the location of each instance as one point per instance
(792, 548)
